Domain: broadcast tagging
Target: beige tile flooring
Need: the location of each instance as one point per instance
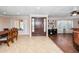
(24, 44)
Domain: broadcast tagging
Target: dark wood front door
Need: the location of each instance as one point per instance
(38, 27)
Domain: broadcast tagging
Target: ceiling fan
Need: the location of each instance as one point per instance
(75, 12)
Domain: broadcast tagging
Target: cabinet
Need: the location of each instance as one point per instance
(52, 31)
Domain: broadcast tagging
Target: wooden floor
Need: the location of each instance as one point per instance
(64, 41)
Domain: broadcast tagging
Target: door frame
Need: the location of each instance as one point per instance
(38, 16)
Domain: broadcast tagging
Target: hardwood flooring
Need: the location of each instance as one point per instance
(64, 41)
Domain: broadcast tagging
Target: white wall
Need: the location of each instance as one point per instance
(26, 20)
(8, 22)
(4, 23)
(75, 23)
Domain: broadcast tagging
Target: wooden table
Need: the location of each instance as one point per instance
(3, 32)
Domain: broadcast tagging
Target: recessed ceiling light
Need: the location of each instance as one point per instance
(4, 12)
(38, 8)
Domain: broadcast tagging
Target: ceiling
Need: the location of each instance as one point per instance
(27, 10)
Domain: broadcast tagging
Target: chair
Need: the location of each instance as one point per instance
(7, 39)
(4, 40)
(15, 33)
(10, 36)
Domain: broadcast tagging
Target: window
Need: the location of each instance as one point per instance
(64, 26)
(21, 25)
(32, 24)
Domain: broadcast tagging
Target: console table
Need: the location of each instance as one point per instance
(52, 32)
(3, 33)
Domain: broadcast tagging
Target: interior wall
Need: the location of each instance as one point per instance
(4, 23)
(75, 22)
(26, 21)
(8, 22)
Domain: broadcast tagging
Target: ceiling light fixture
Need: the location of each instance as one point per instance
(75, 12)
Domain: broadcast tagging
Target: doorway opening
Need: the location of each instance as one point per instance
(38, 26)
